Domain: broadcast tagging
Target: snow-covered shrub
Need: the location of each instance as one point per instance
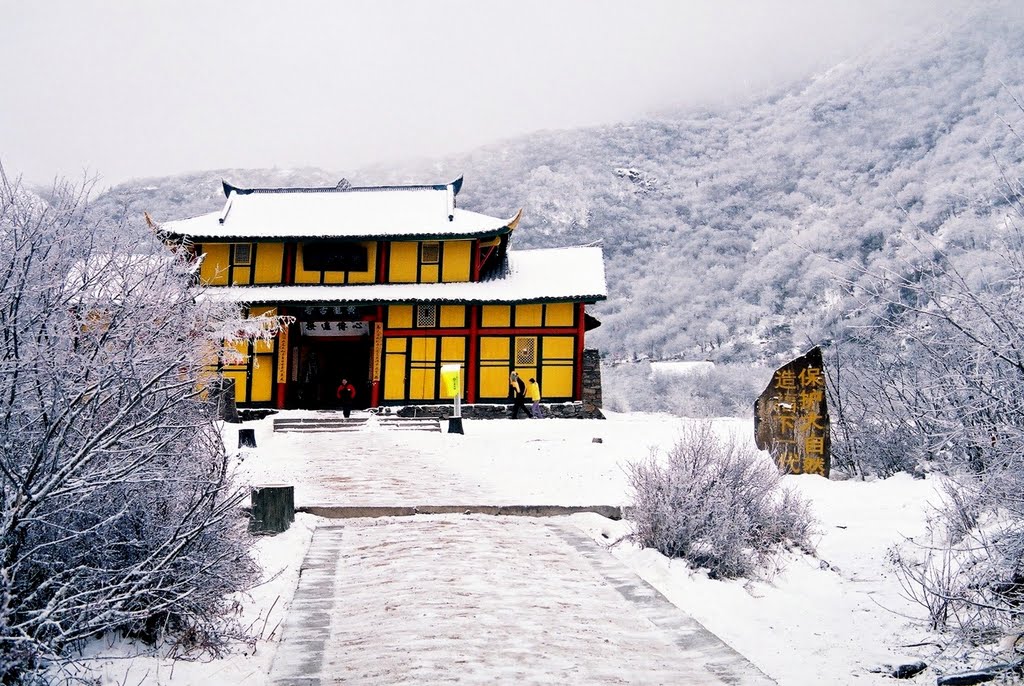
(969, 576)
(716, 503)
(116, 511)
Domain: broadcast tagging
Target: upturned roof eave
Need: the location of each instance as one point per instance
(207, 237)
(267, 301)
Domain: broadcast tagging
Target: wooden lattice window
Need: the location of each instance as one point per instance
(526, 351)
(242, 254)
(426, 316)
(430, 252)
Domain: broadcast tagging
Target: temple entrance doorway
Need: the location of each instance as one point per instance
(324, 360)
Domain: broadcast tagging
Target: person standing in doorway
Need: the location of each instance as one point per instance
(346, 394)
(535, 396)
(518, 396)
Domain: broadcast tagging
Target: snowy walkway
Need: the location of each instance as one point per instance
(485, 600)
(497, 462)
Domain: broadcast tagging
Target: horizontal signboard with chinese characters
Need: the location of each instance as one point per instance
(334, 329)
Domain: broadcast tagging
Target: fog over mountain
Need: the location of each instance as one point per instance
(737, 234)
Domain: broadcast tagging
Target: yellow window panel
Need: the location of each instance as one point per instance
(494, 348)
(424, 349)
(262, 378)
(239, 379)
(241, 276)
(370, 275)
(453, 316)
(394, 376)
(334, 277)
(241, 347)
(529, 315)
(496, 315)
(395, 345)
(404, 258)
(266, 346)
(214, 269)
(303, 275)
(559, 314)
(421, 384)
(494, 382)
(559, 347)
(456, 261)
(262, 311)
(428, 273)
(269, 257)
(453, 349)
(526, 373)
(557, 381)
(400, 317)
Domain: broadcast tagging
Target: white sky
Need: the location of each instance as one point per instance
(146, 88)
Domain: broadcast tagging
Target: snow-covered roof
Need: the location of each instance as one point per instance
(402, 212)
(550, 274)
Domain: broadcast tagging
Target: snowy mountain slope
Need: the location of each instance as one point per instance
(731, 234)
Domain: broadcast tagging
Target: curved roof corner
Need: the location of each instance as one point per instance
(514, 221)
(456, 185)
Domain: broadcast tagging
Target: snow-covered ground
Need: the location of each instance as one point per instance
(827, 618)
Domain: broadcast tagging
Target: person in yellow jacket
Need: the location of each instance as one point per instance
(535, 396)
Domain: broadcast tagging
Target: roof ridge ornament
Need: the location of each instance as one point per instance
(227, 205)
(514, 221)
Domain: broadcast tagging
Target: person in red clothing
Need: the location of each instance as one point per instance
(346, 394)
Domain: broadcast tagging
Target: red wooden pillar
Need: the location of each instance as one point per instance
(382, 263)
(281, 378)
(288, 268)
(473, 361)
(580, 330)
(377, 361)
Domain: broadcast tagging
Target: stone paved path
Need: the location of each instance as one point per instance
(369, 468)
(486, 600)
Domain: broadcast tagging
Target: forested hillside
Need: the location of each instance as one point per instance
(734, 234)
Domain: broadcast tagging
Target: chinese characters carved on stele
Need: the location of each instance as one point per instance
(791, 417)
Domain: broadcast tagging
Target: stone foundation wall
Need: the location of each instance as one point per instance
(592, 399)
(588, 408)
(576, 410)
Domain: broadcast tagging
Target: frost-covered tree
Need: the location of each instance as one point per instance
(935, 380)
(116, 510)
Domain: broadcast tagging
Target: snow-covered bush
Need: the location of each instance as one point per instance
(967, 574)
(716, 503)
(116, 512)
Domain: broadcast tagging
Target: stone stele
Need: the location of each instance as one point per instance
(791, 417)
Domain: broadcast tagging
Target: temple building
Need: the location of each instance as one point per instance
(385, 285)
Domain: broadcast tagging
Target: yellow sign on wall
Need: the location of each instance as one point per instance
(451, 380)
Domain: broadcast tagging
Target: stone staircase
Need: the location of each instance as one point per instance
(355, 423)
